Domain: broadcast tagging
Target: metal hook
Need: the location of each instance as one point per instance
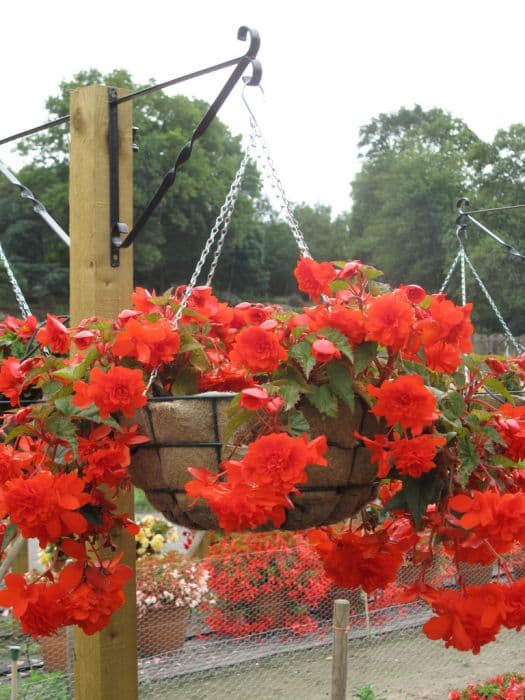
(253, 120)
(255, 40)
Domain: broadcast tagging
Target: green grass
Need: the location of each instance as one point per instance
(38, 686)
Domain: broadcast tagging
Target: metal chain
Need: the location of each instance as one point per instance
(449, 273)
(223, 217)
(518, 347)
(20, 299)
(463, 277)
(226, 212)
(269, 166)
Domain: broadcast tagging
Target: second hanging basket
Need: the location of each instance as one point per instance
(190, 431)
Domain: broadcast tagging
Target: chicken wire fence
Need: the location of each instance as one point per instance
(265, 631)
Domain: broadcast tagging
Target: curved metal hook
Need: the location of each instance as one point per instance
(255, 40)
(250, 112)
(462, 202)
(255, 77)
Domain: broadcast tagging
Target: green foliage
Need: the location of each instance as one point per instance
(39, 685)
(367, 693)
(416, 164)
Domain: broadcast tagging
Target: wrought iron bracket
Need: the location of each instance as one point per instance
(120, 236)
(465, 217)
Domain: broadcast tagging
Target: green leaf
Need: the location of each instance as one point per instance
(500, 388)
(455, 401)
(297, 423)
(339, 340)
(290, 392)
(325, 401)
(341, 382)
(236, 419)
(184, 383)
(493, 434)
(363, 354)
(93, 514)
(10, 533)
(417, 494)
(63, 428)
(469, 458)
(302, 352)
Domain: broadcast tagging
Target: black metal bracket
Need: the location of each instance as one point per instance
(465, 217)
(117, 227)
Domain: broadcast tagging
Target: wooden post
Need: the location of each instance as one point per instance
(105, 663)
(21, 561)
(340, 649)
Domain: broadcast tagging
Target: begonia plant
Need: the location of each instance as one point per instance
(449, 455)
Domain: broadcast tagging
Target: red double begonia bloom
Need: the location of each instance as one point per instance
(447, 323)
(119, 389)
(45, 505)
(405, 400)
(36, 605)
(510, 424)
(515, 601)
(497, 518)
(254, 397)
(351, 560)
(280, 460)
(324, 350)
(144, 301)
(389, 320)
(238, 505)
(22, 327)
(314, 278)
(55, 335)
(415, 456)
(151, 342)
(257, 350)
(12, 377)
(94, 592)
(466, 619)
(442, 357)
(413, 292)
(14, 462)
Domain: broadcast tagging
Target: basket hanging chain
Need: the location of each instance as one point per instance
(20, 299)
(449, 273)
(269, 166)
(511, 339)
(224, 218)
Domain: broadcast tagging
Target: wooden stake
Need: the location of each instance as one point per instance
(20, 563)
(105, 663)
(340, 648)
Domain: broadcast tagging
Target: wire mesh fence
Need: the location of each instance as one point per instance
(264, 630)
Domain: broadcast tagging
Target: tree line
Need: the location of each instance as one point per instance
(414, 166)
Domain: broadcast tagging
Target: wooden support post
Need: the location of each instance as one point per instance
(105, 663)
(20, 563)
(340, 649)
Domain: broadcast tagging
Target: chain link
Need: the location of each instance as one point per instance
(226, 212)
(517, 346)
(269, 166)
(449, 273)
(20, 299)
(463, 277)
(222, 219)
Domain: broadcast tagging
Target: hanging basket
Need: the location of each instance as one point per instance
(189, 431)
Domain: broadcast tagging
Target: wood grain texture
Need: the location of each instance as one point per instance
(105, 663)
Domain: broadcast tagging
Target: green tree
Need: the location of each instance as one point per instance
(168, 248)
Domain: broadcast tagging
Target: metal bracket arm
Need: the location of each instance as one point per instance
(118, 228)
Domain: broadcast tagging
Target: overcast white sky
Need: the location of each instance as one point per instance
(328, 66)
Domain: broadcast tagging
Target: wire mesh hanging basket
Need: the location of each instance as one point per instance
(190, 431)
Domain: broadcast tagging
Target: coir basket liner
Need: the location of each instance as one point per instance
(189, 431)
